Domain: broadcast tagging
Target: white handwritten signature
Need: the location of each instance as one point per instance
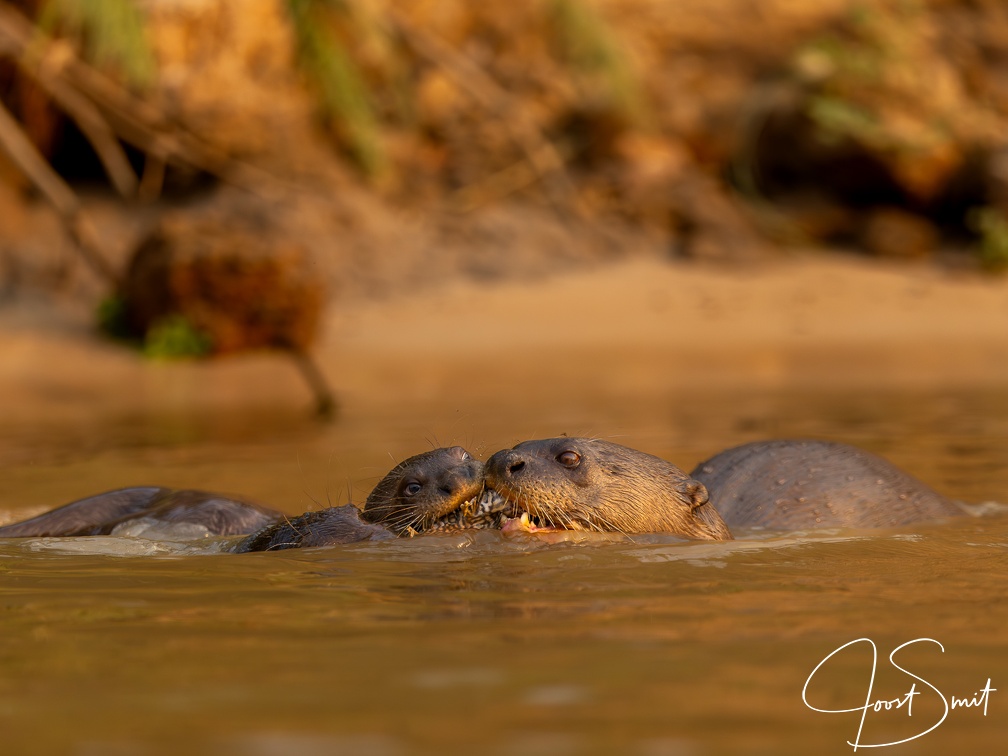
(979, 698)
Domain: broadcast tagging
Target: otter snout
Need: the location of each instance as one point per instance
(505, 465)
(462, 478)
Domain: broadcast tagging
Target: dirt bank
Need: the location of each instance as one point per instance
(815, 320)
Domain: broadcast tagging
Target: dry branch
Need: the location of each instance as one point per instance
(89, 95)
(24, 155)
(37, 62)
(105, 113)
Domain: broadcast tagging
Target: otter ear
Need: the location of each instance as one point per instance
(694, 491)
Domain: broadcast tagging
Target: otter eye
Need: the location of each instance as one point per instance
(569, 458)
(412, 488)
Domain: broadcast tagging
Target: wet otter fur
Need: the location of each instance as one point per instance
(597, 485)
(103, 513)
(410, 499)
(424, 488)
(421, 493)
(325, 527)
(591, 484)
(797, 485)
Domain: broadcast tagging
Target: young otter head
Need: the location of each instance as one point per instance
(590, 484)
(422, 489)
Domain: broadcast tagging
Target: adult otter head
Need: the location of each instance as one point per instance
(424, 488)
(590, 484)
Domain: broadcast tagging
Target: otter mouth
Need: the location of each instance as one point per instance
(526, 523)
(519, 518)
(545, 515)
(489, 510)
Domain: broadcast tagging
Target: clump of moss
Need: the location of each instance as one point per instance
(175, 337)
(992, 226)
(110, 34)
(171, 337)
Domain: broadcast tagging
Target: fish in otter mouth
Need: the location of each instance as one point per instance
(488, 511)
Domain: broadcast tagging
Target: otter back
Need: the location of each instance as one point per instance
(795, 485)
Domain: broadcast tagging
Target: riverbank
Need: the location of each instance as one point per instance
(818, 319)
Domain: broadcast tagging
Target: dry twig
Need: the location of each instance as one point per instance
(24, 155)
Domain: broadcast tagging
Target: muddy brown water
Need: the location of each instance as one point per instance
(481, 643)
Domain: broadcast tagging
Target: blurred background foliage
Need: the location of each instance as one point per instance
(722, 126)
(109, 33)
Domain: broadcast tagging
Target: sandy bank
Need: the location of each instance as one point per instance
(812, 321)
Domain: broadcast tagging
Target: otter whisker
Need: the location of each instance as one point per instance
(406, 521)
(569, 522)
(604, 524)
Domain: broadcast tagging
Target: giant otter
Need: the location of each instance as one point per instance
(563, 483)
(436, 490)
(111, 512)
(796, 485)
(591, 484)
(420, 490)
(424, 492)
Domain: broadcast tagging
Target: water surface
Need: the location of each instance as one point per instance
(502, 645)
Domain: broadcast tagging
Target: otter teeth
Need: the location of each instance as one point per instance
(525, 523)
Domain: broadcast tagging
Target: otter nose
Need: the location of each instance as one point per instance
(461, 476)
(505, 464)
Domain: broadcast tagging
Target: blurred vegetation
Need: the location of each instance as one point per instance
(873, 125)
(992, 225)
(587, 45)
(343, 95)
(111, 317)
(109, 33)
(887, 79)
(871, 70)
(175, 337)
(172, 337)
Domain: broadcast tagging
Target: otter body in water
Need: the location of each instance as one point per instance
(562, 483)
(434, 491)
(419, 494)
(591, 484)
(795, 485)
(324, 527)
(113, 512)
